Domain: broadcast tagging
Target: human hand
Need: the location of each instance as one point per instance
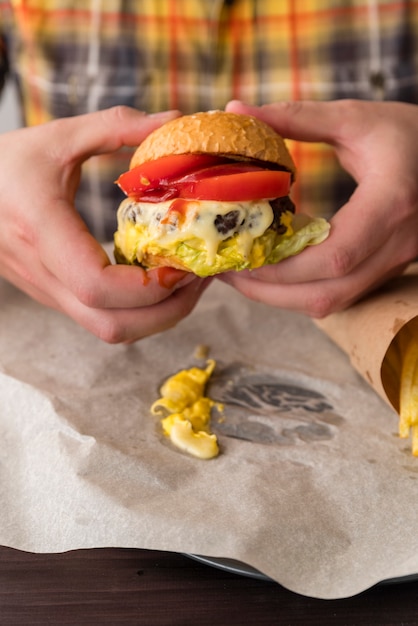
(46, 249)
(375, 235)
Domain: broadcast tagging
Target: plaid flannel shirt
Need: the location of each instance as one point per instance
(71, 57)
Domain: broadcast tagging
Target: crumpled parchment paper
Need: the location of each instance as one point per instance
(312, 487)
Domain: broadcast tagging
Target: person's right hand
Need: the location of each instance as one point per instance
(46, 249)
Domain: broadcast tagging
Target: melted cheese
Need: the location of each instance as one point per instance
(161, 225)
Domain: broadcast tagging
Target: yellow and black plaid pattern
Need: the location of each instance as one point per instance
(70, 57)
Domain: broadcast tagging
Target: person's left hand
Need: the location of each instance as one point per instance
(375, 235)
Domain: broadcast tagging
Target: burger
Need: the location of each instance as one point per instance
(209, 193)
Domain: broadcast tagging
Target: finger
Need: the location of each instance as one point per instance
(321, 297)
(78, 262)
(306, 120)
(105, 131)
(112, 325)
(20, 280)
(127, 325)
(358, 229)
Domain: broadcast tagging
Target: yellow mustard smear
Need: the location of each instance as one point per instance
(187, 411)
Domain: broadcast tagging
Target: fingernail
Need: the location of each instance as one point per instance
(170, 277)
(165, 115)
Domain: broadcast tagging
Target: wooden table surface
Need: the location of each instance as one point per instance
(128, 586)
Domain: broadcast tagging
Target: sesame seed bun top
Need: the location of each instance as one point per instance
(218, 133)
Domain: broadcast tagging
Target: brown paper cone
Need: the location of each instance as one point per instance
(366, 331)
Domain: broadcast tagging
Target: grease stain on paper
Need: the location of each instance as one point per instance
(270, 409)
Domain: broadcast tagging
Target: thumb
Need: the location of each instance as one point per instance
(300, 120)
(105, 131)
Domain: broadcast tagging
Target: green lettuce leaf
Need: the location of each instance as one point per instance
(271, 247)
(268, 249)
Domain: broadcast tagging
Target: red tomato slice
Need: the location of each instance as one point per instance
(158, 173)
(220, 169)
(203, 177)
(249, 185)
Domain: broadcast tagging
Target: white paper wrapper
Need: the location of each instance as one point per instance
(312, 487)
